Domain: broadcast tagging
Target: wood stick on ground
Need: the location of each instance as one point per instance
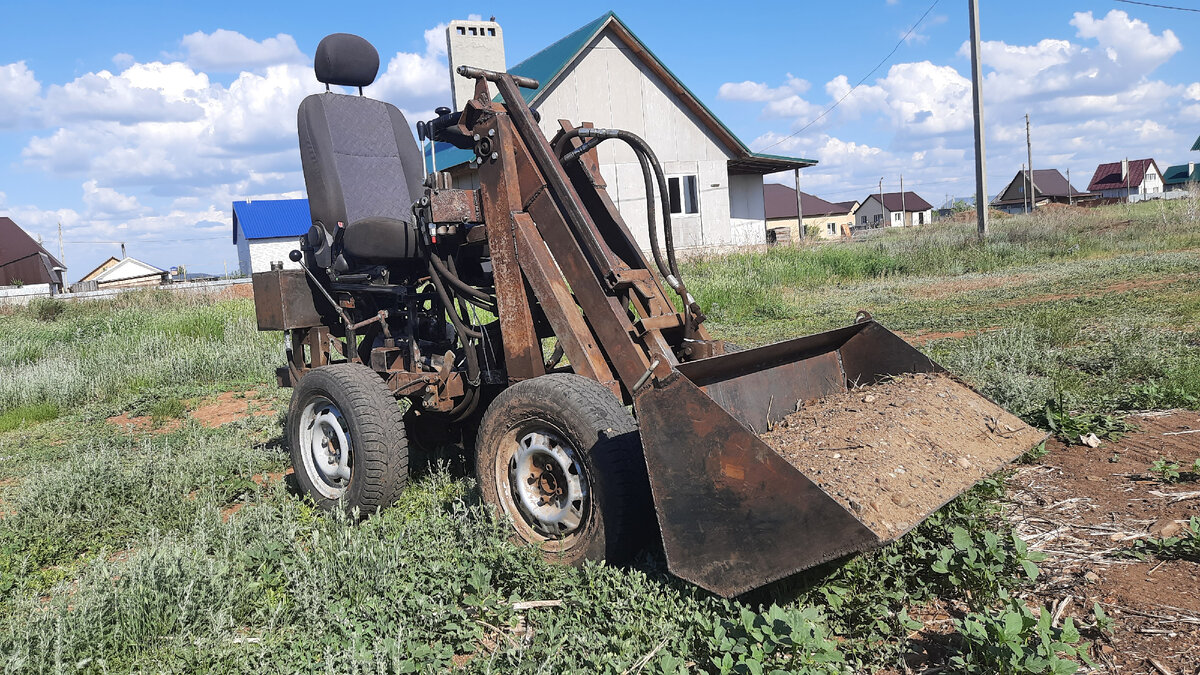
(1159, 667)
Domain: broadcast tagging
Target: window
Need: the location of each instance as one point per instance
(462, 30)
(864, 220)
(895, 217)
(682, 194)
(831, 228)
(492, 32)
(921, 218)
(878, 217)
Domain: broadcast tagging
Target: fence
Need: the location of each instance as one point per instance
(22, 295)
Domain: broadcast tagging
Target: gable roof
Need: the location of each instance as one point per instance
(779, 201)
(126, 268)
(100, 269)
(1108, 176)
(23, 259)
(1180, 173)
(1196, 145)
(892, 201)
(1046, 183)
(551, 63)
(268, 218)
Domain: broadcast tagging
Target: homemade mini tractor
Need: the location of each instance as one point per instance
(522, 319)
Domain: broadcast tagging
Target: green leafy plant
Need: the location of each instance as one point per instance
(1169, 471)
(1183, 546)
(1069, 426)
(1015, 641)
(984, 566)
(787, 640)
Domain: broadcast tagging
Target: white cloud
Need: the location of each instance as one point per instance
(19, 89)
(230, 51)
(161, 148)
(758, 91)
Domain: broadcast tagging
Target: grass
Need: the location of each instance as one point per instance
(167, 550)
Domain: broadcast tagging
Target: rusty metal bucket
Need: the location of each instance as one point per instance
(734, 513)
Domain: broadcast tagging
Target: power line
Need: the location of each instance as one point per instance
(859, 83)
(1151, 4)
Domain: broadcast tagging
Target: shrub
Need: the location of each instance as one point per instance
(47, 309)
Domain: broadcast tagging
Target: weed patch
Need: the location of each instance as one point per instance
(27, 415)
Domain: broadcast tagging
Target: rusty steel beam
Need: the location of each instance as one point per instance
(501, 197)
(557, 302)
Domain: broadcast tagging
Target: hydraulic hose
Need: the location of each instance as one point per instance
(648, 161)
(474, 295)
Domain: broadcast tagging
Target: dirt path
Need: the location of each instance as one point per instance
(1080, 505)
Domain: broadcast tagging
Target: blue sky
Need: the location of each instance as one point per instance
(141, 122)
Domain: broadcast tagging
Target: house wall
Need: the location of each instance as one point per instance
(871, 209)
(610, 87)
(260, 253)
(243, 247)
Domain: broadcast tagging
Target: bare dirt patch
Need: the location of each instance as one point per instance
(954, 286)
(1083, 506)
(144, 424)
(228, 407)
(929, 336)
(1116, 287)
(896, 451)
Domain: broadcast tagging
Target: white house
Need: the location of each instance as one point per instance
(603, 74)
(124, 273)
(267, 230)
(898, 209)
(1127, 179)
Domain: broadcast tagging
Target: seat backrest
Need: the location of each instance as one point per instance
(359, 156)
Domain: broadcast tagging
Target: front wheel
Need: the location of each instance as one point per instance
(561, 458)
(347, 439)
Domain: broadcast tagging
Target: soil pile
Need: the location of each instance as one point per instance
(894, 452)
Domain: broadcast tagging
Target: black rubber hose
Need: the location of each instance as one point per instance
(476, 296)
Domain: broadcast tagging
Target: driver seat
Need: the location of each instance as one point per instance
(362, 167)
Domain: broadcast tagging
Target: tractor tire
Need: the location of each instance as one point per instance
(561, 458)
(347, 439)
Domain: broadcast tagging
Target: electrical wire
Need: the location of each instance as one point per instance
(859, 83)
(1157, 6)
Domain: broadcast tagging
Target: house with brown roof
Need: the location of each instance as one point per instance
(23, 261)
(897, 209)
(1049, 186)
(1127, 179)
(828, 219)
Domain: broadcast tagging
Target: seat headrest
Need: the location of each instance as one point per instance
(346, 60)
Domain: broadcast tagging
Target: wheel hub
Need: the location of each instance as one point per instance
(547, 484)
(325, 440)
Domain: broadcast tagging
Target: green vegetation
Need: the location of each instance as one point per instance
(183, 548)
(27, 415)
(1169, 471)
(1184, 546)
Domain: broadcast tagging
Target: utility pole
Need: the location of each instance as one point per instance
(882, 211)
(1070, 198)
(62, 256)
(123, 256)
(1029, 154)
(799, 207)
(903, 210)
(1024, 190)
(981, 205)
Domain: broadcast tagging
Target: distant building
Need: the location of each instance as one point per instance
(267, 230)
(123, 273)
(830, 219)
(898, 209)
(24, 261)
(604, 74)
(1181, 176)
(1127, 179)
(1049, 186)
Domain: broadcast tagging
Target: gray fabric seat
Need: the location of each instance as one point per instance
(362, 167)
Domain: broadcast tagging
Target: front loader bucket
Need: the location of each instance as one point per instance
(769, 461)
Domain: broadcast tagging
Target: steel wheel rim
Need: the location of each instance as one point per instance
(543, 486)
(326, 448)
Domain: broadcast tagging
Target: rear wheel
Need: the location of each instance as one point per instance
(561, 458)
(347, 438)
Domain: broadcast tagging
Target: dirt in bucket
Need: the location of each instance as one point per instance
(894, 452)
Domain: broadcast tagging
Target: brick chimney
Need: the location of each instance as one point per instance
(473, 43)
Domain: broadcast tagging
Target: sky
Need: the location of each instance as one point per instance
(142, 122)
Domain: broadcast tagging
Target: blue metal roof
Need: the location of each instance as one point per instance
(267, 218)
